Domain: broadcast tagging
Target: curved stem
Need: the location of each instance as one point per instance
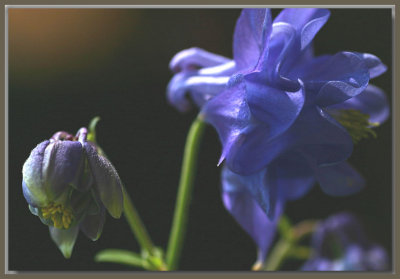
(184, 193)
(287, 245)
(130, 212)
(136, 224)
(278, 255)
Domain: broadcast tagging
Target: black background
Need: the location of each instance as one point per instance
(69, 65)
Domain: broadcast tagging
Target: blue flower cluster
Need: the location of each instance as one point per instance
(339, 243)
(285, 117)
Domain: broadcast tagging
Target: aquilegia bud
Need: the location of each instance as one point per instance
(68, 185)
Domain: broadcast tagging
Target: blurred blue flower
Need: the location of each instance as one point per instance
(68, 185)
(285, 117)
(340, 244)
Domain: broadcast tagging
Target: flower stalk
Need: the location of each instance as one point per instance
(287, 246)
(179, 222)
(136, 224)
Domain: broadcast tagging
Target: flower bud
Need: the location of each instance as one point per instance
(69, 185)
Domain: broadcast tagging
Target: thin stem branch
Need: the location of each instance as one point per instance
(184, 193)
(287, 246)
(278, 255)
(136, 224)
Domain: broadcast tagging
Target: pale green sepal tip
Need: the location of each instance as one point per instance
(33, 210)
(64, 239)
(115, 209)
(66, 250)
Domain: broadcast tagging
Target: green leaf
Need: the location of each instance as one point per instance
(119, 256)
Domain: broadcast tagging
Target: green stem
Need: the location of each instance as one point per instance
(278, 254)
(131, 215)
(287, 245)
(137, 225)
(184, 193)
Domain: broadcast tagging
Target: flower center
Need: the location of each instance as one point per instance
(356, 123)
(59, 215)
(61, 135)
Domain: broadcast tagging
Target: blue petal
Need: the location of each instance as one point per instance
(346, 229)
(202, 85)
(203, 88)
(31, 199)
(340, 179)
(61, 166)
(321, 137)
(377, 258)
(65, 239)
(294, 175)
(92, 225)
(318, 264)
(353, 259)
(33, 182)
(229, 114)
(247, 212)
(335, 78)
(106, 181)
(226, 69)
(283, 51)
(306, 67)
(371, 101)
(276, 108)
(314, 132)
(251, 37)
(80, 203)
(84, 179)
(193, 58)
(257, 185)
(176, 91)
(290, 45)
(307, 22)
(374, 64)
(252, 150)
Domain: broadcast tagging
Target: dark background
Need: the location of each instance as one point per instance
(69, 65)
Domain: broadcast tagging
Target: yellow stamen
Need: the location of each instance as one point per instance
(58, 214)
(356, 123)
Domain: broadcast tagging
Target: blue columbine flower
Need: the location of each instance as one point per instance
(285, 117)
(68, 185)
(274, 80)
(340, 244)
